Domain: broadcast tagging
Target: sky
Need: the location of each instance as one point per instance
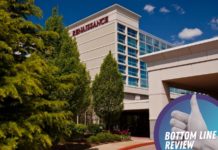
(177, 21)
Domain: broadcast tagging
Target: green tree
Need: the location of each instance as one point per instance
(74, 80)
(29, 117)
(107, 90)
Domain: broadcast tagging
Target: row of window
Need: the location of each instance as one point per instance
(131, 61)
(134, 82)
(131, 32)
(131, 51)
(131, 41)
(143, 38)
(145, 48)
(133, 71)
(152, 41)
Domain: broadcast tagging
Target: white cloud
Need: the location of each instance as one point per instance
(164, 10)
(179, 9)
(149, 8)
(214, 23)
(175, 41)
(187, 33)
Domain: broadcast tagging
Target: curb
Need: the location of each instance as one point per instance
(136, 146)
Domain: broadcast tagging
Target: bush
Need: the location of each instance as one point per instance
(104, 137)
(79, 131)
(93, 139)
(95, 128)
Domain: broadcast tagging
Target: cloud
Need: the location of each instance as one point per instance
(164, 10)
(187, 33)
(179, 9)
(149, 8)
(176, 41)
(214, 23)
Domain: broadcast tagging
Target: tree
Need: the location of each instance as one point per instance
(107, 90)
(72, 75)
(30, 118)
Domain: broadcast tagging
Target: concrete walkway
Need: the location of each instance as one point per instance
(119, 145)
(150, 147)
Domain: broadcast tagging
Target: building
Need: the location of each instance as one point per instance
(116, 29)
(191, 67)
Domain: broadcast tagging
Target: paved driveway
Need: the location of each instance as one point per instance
(151, 147)
(118, 145)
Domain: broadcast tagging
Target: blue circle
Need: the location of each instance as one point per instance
(208, 107)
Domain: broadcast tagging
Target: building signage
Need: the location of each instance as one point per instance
(90, 26)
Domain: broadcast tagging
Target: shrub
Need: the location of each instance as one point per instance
(93, 139)
(79, 131)
(95, 128)
(104, 137)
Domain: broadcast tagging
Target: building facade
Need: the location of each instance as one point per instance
(116, 29)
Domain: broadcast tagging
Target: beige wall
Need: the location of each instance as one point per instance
(96, 43)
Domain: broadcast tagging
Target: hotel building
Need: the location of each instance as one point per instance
(116, 29)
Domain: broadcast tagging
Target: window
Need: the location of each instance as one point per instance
(142, 48)
(156, 49)
(121, 28)
(132, 62)
(122, 69)
(163, 46)
(132, 42)
(149, 40)
(121, 59)
(143, 65)
(121, 48)
(143, 74)
(168, 46)
(149, 49)
(121, 38)
(156, 43)
(133, 71)
(132, 32)
(124, 79)
(132, 52)
(133, 81)
(144, 83)
(142, 37)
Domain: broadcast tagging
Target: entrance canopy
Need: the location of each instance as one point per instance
(191, 67)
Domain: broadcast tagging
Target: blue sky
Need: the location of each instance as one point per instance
(177, 21)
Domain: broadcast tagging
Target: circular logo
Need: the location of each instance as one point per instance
(188, 122)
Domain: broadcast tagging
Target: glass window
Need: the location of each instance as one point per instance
(132, 32)
(133, 71)
(142, 48)
(142, 37)
(133, 81)
(149, 40)
(156, 49)
(121, 48)
(163, 46)
(168, 46)
(122, 68)
(144, 83)
(143, 65)
(156, 43)
(121, 28)
(124, 79)
(132, 42)
(149, 48)
(143, 74)
(121, 59)
(132, 52)
(132, 62)
(121, 38)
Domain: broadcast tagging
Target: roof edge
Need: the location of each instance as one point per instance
(179, 47)
(114, 6)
